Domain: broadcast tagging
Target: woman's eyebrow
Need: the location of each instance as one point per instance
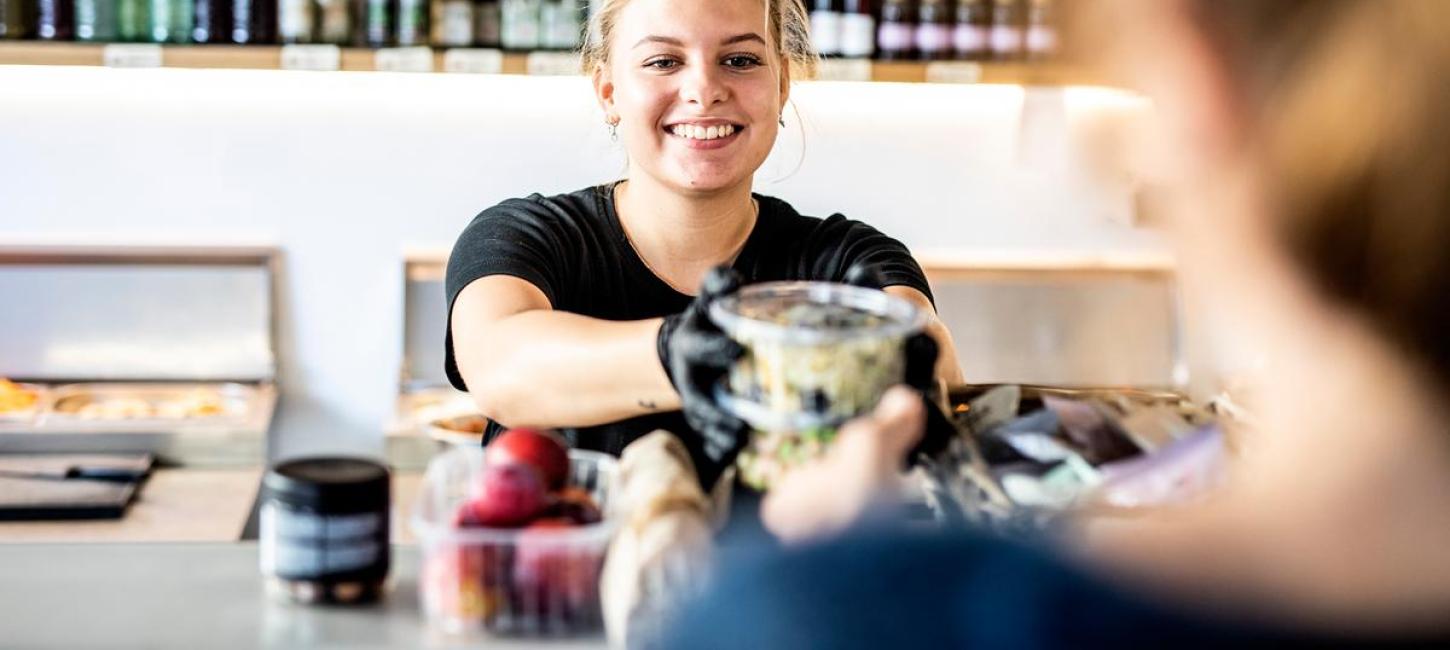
(739, 38)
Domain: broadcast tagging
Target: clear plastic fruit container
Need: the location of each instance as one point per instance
(816, 355)
(510, 581)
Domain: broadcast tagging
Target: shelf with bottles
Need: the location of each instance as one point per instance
(954, 41)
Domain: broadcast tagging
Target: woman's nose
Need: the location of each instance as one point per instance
(702, 85)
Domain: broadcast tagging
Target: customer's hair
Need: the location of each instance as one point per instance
(787, 28)
(1346, 104)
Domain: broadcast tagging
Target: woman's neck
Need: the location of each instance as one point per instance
(681, 237)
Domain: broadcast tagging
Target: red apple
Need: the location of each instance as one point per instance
(543, 451)
(550, 570)
(508, 496)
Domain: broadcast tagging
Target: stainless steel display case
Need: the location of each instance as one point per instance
(430, 414)
(168, 350)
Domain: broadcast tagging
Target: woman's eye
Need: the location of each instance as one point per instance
(742, 61)
(662, 64)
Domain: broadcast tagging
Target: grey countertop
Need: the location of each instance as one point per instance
(200, 595)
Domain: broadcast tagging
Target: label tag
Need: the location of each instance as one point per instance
(473, 61)
(404, 59)
(953, 72)
(552, 63)
(844, 70)
(324, 58)
(131, 55)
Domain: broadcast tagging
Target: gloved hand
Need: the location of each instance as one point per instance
(696, 354)
(921, 352)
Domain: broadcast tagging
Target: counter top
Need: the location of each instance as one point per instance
(202, 595)
(174, 505)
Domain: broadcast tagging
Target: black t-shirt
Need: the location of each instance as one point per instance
(573, 248)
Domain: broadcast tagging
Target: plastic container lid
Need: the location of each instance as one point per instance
(330, 482)
(814, 313)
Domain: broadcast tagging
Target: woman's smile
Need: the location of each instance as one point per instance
(704, 134)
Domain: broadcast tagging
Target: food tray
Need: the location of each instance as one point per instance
(149, 404)
(22, 415)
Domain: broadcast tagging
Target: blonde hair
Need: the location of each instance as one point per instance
(788, 31)
(1345, 103)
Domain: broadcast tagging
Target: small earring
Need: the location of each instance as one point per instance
(614, 131)
(782, 120)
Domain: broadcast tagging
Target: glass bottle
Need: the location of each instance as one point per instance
(1006, 36)
(1041, 30)
(171, 21)
(375, 23)
(858, 30)
(933, 30)
(209, 21)
(561, 24)
(54, 21)
(895, 36)
(520, 25)
(16, 19)
(133, 20)
(95, 20)
(412, 23)
(826, 28)
(254, 22)
(334, 21)
(488, 28)
(969, 34)
(296, 21)
(453, 23)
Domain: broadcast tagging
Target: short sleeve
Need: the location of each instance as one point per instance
(839, 243)
(523, 238)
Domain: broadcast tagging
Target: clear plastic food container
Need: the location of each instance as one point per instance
(816, 355)
(510, 581)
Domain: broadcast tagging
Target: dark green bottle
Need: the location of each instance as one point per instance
(171, 21)
(95, 20)
(133, 21)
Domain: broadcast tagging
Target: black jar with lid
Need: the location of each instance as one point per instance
(324, 529)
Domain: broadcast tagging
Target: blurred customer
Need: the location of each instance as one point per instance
(1304, 144)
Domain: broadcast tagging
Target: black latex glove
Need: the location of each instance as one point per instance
(921, 352)
(696, 355)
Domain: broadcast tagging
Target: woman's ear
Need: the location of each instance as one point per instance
(604, 90)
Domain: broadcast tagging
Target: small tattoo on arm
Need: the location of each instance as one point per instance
(648, 404)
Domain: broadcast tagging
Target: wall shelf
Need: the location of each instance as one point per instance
(422, 59)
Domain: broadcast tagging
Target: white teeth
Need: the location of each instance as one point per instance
(702, 132)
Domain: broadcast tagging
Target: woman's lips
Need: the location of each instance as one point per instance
(704, 138)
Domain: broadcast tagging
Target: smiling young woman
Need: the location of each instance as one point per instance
(563, 307)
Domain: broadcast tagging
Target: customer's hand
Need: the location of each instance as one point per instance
(696, 355)
(860, 468)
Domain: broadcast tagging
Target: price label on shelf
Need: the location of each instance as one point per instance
(953, 72)
(473, 61)
(131, 55)
(552, 63)
(324, 58)
(404, 59)
(844, 70)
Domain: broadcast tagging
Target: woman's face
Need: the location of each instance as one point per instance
(696, 89)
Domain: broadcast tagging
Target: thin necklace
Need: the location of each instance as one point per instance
(755, 217)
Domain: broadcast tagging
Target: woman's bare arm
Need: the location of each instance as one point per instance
(526, 364)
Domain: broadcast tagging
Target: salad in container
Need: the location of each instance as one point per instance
(816, 355)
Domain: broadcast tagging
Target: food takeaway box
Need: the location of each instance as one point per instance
(163, 350)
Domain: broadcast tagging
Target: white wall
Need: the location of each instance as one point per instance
(345, 170)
